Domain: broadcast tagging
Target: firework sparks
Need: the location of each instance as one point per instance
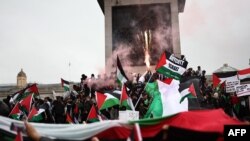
(144, 38)
(147, 39)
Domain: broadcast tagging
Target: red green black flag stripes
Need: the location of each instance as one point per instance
(171, 66)
(188, 92)
(30, 89)
(65, 84)
(120, 74)
(244, 75)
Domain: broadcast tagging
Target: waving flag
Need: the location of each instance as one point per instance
(125, 100)
(110, 101)
(105, 100)
(36, 115)
(100, 99)
(217, 82)
(188, 92)
(224, 81)
(16, 112)
(65, 85)
(198, 121)
(120, 74)
(26, 103)
(244, 75)
(170, 66)
(31, 89)
(166, 98)
(93, 115)
(16, 96)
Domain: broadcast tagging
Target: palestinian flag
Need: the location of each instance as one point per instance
(220, 79)
(166, 98)
(217, 82)
(115, 93)
(198, 121)
(188, 92)
(244, 75)
(14, 97)
(36, 115)
(65, 85)
(120, 74)
(16, 112)
(191, 85)
(100, 99)
(26, 92)
(93, 115)
(69, 119)
(32, 89)
(26, 103)
(110, 101)
(125, 100)
(170, 66)
(106, 100)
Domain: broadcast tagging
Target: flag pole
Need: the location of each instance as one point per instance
(69, 70)
(143, 90)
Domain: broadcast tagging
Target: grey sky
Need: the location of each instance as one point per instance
(43, 36)
(214, 32)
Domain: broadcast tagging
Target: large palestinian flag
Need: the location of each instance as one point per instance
(171, 66)
(120, 74)
(244, 75)
(198, 121)
(166, 98)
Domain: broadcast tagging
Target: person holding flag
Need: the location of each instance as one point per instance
(121, 77)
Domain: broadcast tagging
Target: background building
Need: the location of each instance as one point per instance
(45, 90)
(136, 28)
(21, 79)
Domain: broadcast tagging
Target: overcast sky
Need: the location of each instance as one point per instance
(44, 36)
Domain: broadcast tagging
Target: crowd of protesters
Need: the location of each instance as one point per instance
(78, 105)
(216, 97)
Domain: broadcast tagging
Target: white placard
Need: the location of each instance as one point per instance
(128, 115)
(230, 85)
(243, 90)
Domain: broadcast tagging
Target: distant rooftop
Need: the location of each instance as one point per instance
(5, 88)
(21, 74)
(225, 68)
